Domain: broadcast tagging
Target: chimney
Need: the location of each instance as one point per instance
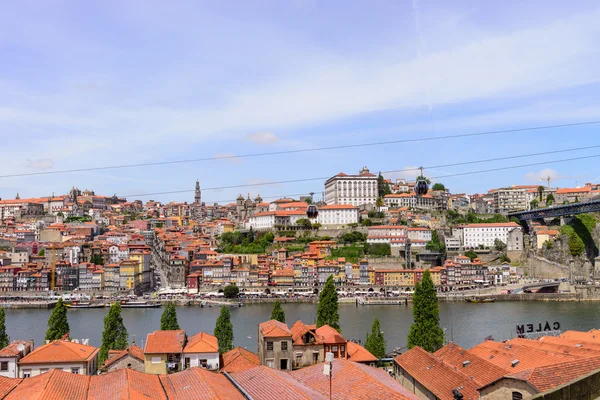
(32, 344)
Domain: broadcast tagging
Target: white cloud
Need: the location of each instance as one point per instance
(262, 138)
(40, 163)
(542, 176)
(229, 157)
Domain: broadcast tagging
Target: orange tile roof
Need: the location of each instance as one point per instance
(133, 351)
(503, 354)
(585, 189)
(357, 353)
(11, 350)
(126, 384)
(239, 359)
(202, 343)
(7, 385)
(481, 371)
(338, 207)
(162, 342)
(55, 384)
(299, 329)
(326, 334)
(437, 376)
(352, 380)
(492, 225)
(273, 328)
(270, 384)
(199, 384)
(60, 351)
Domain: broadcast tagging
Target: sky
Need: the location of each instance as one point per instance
(92, 84)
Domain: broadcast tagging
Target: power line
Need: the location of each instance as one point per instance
(348, 146)
(391, 171)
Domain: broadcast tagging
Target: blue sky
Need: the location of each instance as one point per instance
(86, 84)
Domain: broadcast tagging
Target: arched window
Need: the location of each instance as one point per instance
(517, 396)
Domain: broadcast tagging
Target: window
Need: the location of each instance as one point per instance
(75, 370)
(270, 363)
(334, 349)
(203, 363)
(4, 366)
(269, 346)
(26, 373)
(284, 346)
(517, 396)
(156, 360)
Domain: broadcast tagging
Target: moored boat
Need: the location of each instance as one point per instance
(140, 304)
(86, 304)
(478, 300)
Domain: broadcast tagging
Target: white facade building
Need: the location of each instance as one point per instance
(270, 219)
(10, 356)
(201, 350)
(352, 189)
(337, 214)
(475, 235)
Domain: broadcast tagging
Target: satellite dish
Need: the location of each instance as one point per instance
(21, 347)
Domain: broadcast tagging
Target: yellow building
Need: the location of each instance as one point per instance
(130, 274)
(371, 276)
(163, 350)
(283, 277)
(436, 275)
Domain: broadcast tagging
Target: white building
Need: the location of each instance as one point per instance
(270, 219)
(387, 230)
(352, 189)
(419, 233)
(475, 235)
(10, 356)
(60, 354)
(337, 214)
(201, 350)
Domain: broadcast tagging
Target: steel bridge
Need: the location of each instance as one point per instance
(557, 211)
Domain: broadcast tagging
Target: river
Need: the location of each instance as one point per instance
(465, 324)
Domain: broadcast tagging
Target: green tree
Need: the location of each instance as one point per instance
(168, 320)
(534, 204)
(308, 201)
(58, 325)
(278, 314)
(550, 199)
(231, 291)
(97, 259)
(422, 178)
(305, 222)
(425, 330)
(379, 202)
(224, 331)
(540, 191)
(382, 186)
(114, 336)
(435, 244)
(4, 340)
(438, 186)
(471, 254)
(42, 252)
(327, 310)
(375, 342)
(366, 222)
(499, 245)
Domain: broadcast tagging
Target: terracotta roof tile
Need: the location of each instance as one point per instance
(438, 377)
(162, 342)
(53, 385)
(7, 385)
(11, 350)
(202, 343)
(199, 384)
(482, 371)
(263, 383)
(352, 381)
(126, 384)
(60, 351)
(357, 353)
(239, 359)
(326, 334)
(133, 351)
(273, 328)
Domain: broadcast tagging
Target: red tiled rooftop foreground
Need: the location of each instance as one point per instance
(350, 381)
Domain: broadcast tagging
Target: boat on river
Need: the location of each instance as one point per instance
(479, 300)
(140, 304)
(84, 304)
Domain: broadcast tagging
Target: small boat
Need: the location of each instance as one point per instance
(140, 304)
(77, 304)
(476, 300)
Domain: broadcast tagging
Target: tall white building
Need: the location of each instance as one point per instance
(475, 235)
(337, 214)
(352, 189)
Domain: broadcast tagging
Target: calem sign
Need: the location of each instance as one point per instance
(539, 327)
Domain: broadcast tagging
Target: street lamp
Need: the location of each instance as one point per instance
(328, 369)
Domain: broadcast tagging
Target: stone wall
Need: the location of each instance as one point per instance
(127, 362)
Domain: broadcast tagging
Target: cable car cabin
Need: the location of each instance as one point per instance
(312, 212)
(421, 187)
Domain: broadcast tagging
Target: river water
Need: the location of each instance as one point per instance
(466, 324)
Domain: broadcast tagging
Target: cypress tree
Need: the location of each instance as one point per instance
(168, 320)
(224, 331)
(425, 330)
(278, 314)
(327, 311)
(375, 342)
(4, 340)
(58, 325)
(114, 336)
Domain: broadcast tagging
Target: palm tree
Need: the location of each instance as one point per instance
(540, 190)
